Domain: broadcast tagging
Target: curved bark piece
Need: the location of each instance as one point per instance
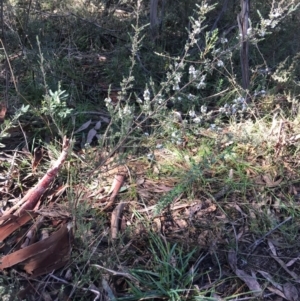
(116, 217)
(31, 198)
(44, 256)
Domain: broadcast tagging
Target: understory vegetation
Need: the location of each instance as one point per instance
(149, 150)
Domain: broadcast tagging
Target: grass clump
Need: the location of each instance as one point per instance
(168, 274)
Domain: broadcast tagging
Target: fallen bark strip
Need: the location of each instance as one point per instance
(116, 217)
(29, 201)
(115, 188)
(15, 223)
(44, 256)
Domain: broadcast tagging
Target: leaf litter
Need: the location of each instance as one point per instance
(210, 218)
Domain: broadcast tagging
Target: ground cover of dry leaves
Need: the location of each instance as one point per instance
(245, 231)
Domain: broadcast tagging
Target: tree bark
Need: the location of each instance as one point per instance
(243, 22)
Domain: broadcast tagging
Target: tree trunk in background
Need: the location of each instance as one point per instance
(243, 22)
(155, 19)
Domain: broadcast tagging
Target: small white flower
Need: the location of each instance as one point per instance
(203, 109)
(176, 87)
(150, 157)
(146, 95)
(191, 96)
(192, 69)
(108, 100)
(240, 100)
(179, 141)
(275, 14)
(192, 113)
(160, 99)
(146, 134)
(177, 77)
(220, 63)
(197, 120)
(224, 40)
(201, 85)
(262, 33)
(216, 51)
(127, 110)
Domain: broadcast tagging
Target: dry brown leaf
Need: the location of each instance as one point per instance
(210, 209)
(269, 182)
(54, 212)
(293, 274)
(161, 188)
(276, 291)
(181, 223)
(44, 256)
(32, 233)
(46, 296)
(270, 279)
(83, 127)
(140, 181)
(250, 280)
(91, 134)
(290, 292)
(105, 119)
(97, 125)
(272, 247)
(292, 261)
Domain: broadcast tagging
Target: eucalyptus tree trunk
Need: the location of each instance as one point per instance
(243, 23)
(156, 18)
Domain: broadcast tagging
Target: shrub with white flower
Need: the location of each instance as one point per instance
(185, 81)
(220, 63)
(201, 84)
(146, 95)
